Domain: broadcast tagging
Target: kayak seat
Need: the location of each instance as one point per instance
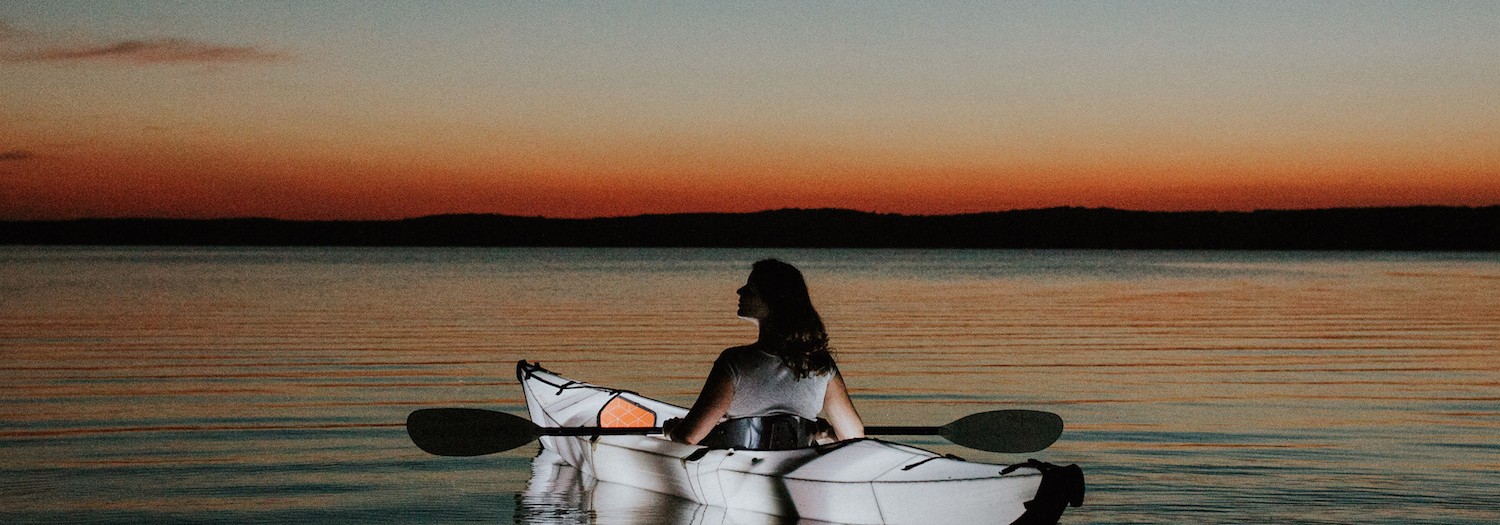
(774, 432)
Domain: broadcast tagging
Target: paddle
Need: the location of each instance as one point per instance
(1008, 431)
(475, 432)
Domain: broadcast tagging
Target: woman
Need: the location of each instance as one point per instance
(771, 390)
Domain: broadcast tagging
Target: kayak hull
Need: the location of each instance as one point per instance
(863, 481)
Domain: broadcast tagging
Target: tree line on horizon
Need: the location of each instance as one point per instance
(1394, 228)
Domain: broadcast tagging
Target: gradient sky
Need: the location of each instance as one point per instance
(357, 110)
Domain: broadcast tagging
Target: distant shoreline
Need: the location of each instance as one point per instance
(1425, 228)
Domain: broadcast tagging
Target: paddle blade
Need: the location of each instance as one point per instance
(468, 431)
(1008, 431)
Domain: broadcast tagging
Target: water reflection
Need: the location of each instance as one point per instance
(559, 494)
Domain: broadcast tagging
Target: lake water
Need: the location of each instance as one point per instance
(270, 385)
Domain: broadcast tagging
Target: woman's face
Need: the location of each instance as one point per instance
(752, 306)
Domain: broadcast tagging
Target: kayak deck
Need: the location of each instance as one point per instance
(856, 481)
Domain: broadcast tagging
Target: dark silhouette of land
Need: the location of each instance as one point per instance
(1408, 228)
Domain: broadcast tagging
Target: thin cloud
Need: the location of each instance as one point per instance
(16, 154)
(157, 51)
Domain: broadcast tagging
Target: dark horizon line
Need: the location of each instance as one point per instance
(1430, 228)
(756, 212)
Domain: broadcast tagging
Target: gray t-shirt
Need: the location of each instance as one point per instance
(764, 386)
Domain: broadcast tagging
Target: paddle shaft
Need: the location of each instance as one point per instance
(597, 431)
(636, 431)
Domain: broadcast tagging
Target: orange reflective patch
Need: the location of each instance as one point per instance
(623, 413)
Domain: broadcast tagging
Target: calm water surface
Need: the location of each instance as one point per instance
(270, 385)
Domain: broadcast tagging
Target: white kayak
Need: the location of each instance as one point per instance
(860, 481)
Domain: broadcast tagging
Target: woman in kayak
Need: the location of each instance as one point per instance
(773, 389)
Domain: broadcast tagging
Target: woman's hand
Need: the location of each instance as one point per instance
(668, 425)
(824, 433)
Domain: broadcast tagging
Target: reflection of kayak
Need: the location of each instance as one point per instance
(559, 494)
(857, 481)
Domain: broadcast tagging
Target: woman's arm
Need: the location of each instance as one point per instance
(712, 404)
(840, 410)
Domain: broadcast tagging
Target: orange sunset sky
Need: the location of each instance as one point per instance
(362, 110)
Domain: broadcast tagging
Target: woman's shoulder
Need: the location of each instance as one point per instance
(739, 353)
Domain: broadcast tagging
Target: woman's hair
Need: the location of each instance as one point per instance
(793, 328)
